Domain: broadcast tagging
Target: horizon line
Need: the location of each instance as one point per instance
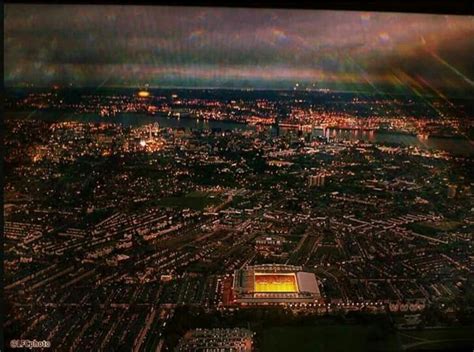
(321, 90)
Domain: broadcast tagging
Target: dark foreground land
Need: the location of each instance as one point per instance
(113, 229)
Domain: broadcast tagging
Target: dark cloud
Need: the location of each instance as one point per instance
(215, 46)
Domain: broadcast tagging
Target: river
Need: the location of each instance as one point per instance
(454, 145)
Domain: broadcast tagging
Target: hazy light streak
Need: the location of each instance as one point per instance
(452, 68)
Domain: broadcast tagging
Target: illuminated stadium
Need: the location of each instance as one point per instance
(274, 284)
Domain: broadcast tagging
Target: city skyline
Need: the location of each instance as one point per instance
(135, 46)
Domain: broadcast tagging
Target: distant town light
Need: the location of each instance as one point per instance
(143, 94)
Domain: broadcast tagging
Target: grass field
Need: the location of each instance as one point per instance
(275, 283)
(433, 228)
(330, 253)
(357, 338)
(325, 339)
(193, 200)
(438, 339)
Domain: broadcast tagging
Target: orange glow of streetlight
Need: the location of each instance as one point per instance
(143, 94)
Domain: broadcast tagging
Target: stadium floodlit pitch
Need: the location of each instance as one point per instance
(268, 283)
(274, 284)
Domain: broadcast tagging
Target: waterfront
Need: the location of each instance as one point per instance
(453, 145)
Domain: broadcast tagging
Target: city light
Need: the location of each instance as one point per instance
(143, 94)
(208, 179)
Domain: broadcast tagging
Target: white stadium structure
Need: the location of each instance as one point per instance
(274, 284)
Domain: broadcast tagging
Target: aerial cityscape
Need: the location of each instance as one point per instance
(210, 179)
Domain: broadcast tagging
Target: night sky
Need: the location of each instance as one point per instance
(238, 48)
